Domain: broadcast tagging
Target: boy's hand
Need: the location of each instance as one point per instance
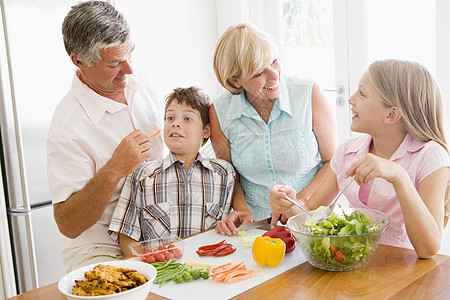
(229, 225)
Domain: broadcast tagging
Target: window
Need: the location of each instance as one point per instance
(308, 49)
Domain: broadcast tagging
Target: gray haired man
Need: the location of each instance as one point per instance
(100, 132)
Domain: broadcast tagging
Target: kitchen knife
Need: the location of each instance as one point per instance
(264, 224)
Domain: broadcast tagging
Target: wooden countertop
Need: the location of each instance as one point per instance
(393, 273)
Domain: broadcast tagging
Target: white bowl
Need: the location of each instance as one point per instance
(66, 283)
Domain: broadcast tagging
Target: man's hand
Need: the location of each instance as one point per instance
(85, 207)
(132, 151)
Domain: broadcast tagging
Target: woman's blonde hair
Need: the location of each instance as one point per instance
(410, 87)
(240, 52)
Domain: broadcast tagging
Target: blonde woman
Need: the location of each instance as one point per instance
(400, 162)
(273, 128)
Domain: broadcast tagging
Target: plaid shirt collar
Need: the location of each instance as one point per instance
(172, 160)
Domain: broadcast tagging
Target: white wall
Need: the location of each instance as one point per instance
(174, 42)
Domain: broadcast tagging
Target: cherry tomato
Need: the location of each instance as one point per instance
(150, 259)
(147, 251)
(333, 249)
(171, 248)
(162, 247)
(178, 254)
(159, 256)
(165, 253)
(339, 256)
(168, 255)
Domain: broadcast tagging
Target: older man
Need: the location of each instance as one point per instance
(100, 132)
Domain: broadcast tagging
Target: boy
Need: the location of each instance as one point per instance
(182, 194)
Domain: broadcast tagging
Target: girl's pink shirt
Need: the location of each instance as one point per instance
(419, 159)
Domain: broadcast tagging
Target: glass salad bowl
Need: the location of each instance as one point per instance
(359, 233)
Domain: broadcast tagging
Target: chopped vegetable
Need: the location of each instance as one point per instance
(284, 234)
(166, 271)
(197, 264)
(241, 233)
(177, 272)
(268, 251)
(247, 241)
(220, 249)
(156, 133)
(211, 247)
(231, 273)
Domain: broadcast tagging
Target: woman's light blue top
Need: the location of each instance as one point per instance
(283, 151)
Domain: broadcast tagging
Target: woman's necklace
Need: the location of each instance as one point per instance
(265, 110)
(263, 107)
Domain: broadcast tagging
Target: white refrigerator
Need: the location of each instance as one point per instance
(35, 73)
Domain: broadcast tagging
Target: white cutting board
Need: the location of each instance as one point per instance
(209, 289)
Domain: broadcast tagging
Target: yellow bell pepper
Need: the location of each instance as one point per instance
(268, 251)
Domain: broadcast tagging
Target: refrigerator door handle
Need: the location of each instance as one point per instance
(21, 211)
(17, 211)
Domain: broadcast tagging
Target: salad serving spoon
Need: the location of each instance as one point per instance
(298, 204)
(324, 212)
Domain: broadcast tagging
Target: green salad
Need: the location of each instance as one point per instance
(345, 240)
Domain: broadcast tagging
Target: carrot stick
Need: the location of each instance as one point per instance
(154, 134)
(240, 275)
(219, 267)
(231, 273)
(228, 268)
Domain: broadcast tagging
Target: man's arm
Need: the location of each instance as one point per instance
(85, 207)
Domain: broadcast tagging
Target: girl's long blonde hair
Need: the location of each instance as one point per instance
(410, 87)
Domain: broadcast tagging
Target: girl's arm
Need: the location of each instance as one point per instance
(423, 209)
(241, 213)
(324, 127)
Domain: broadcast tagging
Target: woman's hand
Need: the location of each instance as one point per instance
(235, 219)
(277, 217)
(277, 201)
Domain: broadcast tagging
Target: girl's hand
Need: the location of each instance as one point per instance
(372, 166)
(277, 200)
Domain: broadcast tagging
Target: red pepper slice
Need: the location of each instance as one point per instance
(221, 248)
(226, 252)
(213, 251)
(213, 246)
(204, 252)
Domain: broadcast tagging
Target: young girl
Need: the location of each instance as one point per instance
(400, 163)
